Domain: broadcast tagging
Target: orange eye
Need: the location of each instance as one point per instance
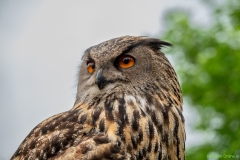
(90, 66)
(126, 61)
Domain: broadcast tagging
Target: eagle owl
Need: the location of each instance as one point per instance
(128, 106)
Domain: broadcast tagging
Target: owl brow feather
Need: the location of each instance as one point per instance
(87, 51)
(152, 43)
(155, 44)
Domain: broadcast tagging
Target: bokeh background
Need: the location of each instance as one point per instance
(41, 44)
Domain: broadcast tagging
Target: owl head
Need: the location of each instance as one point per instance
(126, 64)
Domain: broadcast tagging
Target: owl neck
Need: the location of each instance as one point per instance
(147, 91)
(150, 101)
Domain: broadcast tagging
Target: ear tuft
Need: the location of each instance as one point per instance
(155, 44)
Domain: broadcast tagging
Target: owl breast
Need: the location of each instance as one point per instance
(142, 124)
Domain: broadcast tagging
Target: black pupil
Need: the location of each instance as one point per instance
(126, 60)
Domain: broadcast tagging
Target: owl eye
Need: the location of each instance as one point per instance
(126, 61)
(90, 66)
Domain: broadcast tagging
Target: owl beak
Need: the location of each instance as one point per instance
(100, 80)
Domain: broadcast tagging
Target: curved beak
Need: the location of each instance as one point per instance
(100, 80)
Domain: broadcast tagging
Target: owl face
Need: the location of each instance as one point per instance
(120, 64)
(115, 71)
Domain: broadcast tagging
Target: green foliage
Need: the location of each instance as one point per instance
(207, 59)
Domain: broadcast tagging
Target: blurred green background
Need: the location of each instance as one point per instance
(207, 60)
